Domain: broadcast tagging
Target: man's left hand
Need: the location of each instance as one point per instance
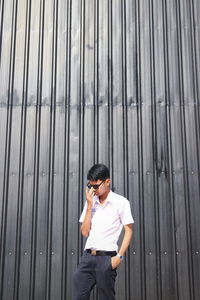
(115, 261)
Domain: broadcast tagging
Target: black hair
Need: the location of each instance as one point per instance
(98, 172)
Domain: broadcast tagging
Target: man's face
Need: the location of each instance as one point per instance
(100, 186)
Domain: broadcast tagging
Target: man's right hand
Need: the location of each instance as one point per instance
(89, 193)
(86, 225)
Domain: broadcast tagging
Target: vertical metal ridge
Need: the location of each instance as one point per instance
(125, 132)
(37, 154)
(8, 144)
(52, 151)
(188, 205)
(110, 93)
(65, 204)
(180, 93)
(124, 97)
(184, 150)
(169, 141)
(1, 26)
(178, 54)
(22, 153)
(81, 113)
(140, 151)
(96, 81)
(66, 153)
(195, 79)
(155, 151)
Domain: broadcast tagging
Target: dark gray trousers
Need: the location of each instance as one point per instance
(94, 270)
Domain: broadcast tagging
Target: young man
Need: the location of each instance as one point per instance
(104, 215)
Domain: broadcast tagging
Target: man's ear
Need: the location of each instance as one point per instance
(108, 181)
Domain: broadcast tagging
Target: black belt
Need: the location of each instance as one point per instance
(101, 253)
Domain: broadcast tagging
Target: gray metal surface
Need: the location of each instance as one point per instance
(88, 81)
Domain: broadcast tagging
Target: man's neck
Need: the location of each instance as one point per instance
(103, 198)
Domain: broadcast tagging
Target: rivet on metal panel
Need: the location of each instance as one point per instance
(197, 252)
(134, 103)
(134, 252)
(192, 172)
(10, 253)
(72, 252)
(150, 253)
(54, 174)
(40, 252)
(25, 253)
(43, 173)
(165, 252)
(52, 253)
(177, 253)
(147, 172)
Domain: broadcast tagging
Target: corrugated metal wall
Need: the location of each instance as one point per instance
(112, 81)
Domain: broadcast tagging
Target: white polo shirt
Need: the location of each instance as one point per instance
(107, 222)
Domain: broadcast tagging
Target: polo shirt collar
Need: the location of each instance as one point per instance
(109, 198)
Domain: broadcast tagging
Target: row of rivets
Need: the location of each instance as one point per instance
(131, 172)
(26, 253)
(162, 172)
(165, 252)
(134, 253)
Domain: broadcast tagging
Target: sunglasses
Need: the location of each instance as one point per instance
(95, 186)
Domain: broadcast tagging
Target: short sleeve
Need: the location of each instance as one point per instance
(125, 214)
(82, 217)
